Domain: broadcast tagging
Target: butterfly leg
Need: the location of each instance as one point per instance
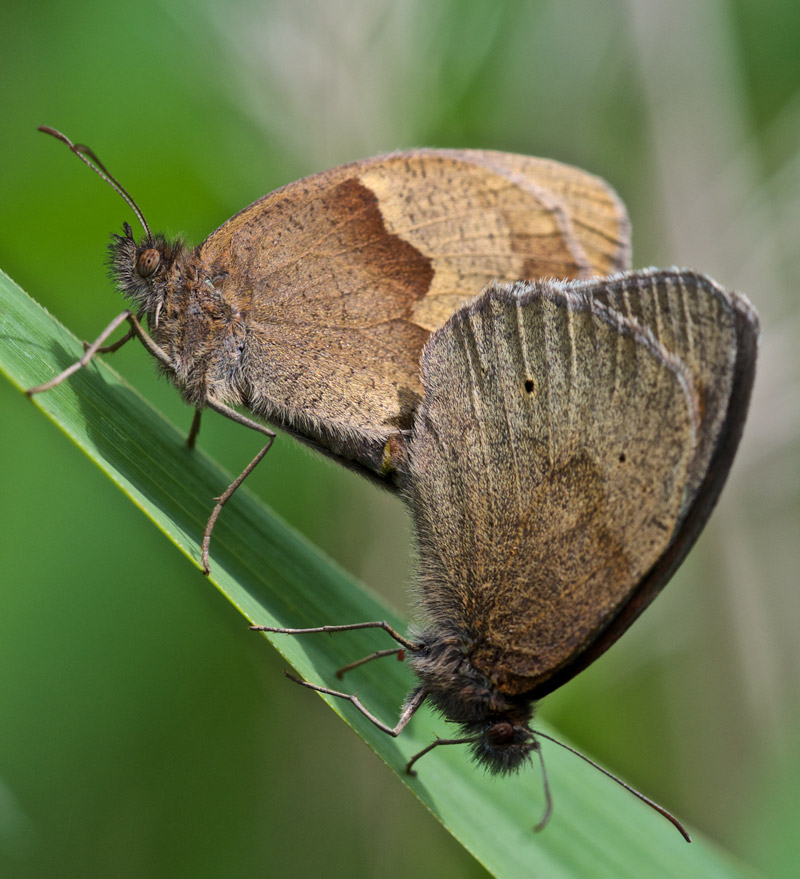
(350, 627)
(399, 652)
(194, 429)
(223, 499)
(435, 744)
(115, 346)
(413, 703)
(96, 347)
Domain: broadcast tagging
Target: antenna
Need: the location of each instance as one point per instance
(653, 805)
(87, 156)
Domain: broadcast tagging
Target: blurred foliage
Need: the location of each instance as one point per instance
(163, 740)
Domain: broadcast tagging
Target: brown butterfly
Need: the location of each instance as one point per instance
(310, 307)
(571, 443)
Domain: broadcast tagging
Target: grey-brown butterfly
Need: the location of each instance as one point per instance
(572, 441)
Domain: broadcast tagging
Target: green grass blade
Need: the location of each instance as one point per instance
(275, 577)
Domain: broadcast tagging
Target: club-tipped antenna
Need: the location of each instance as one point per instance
(548, 799)
(653, 805)
(88, 157)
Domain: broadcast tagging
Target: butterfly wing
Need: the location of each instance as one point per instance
(596, 217)
(715, 334)
(554, 464)
(341, 276)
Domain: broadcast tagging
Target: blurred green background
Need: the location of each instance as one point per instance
(166, 742)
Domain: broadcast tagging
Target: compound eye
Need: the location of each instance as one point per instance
(500, 733)
(148, 261)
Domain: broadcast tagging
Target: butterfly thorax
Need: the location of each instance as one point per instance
(201, 333)
(500, 724)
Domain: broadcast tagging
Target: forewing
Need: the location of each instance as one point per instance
(341, 276)
(597, 218)
(485, 216)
